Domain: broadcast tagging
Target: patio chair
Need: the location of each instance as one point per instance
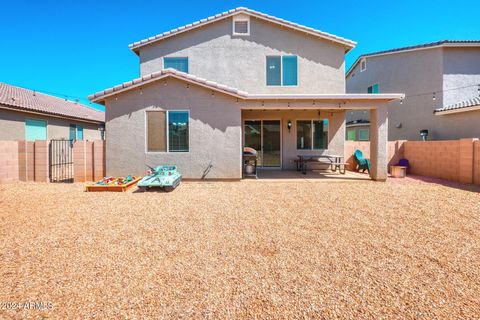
(362, 163)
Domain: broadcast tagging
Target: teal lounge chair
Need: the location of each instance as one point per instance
(362, 163)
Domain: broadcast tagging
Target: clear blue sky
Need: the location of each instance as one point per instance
(80, 47)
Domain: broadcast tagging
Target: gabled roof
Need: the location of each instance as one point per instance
(467, 105)
(26, 100)
(443, 43)
(100, 96)
(349, 44)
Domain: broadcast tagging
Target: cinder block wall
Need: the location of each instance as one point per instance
(29, 161)
(8, 161)
(476, 162)
(395, 151)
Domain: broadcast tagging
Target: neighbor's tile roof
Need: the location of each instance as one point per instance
(419, 46)
(474, 102)
(28, 100)
(163, 74)
(348, 43)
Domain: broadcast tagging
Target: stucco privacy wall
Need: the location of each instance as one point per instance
(336, 130)
(12, 126)
(212, 49)
(215, 131)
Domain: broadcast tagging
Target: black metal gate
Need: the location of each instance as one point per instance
(61, 160)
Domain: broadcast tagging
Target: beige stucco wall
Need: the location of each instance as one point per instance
(215, 131)
(12, 126)
(240, 61)
(289, 152)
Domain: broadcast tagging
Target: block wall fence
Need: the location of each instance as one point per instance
(455, 160)
(29, 161)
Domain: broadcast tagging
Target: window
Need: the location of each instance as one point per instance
(177, 63)
(73, 132)
(312, 134)
(35, 129)
(364, 134)
(373, 89)
(363, 65)
(282, 71)
(351, 135)
(241, 26)
(156, 132)
(79, 132)
(175, 139)
(274, 72)
(178, 131)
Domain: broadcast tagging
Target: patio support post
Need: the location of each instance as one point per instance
(379, 143)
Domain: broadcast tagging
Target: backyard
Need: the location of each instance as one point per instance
(265, 249)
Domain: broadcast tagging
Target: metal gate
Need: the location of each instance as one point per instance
(61, 160)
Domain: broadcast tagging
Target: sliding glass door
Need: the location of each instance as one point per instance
(265, 137)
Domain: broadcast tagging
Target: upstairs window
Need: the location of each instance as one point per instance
(177, 63)
(282, 71)
(363, 65)
(373, 88)
(241, 26)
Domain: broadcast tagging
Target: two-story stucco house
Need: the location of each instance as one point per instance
(441, 82)
(239, 78)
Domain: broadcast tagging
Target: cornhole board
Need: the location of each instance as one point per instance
(121, 188)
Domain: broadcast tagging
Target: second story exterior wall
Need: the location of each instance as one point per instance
(412, 73)
(240, 61)
(453, 73)
(461, 70)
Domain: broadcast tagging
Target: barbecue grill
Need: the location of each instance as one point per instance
(249, 162)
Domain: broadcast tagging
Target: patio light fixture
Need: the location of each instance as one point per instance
(289, 125)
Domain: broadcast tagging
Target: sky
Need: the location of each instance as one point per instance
(75, 48)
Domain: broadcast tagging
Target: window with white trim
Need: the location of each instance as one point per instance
(241, 26)
(167, 130)
(282, 70)
(363, 65)
(312, 134)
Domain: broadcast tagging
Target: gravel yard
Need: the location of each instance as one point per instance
(298, 249)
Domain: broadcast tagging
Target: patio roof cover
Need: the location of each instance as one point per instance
(338, 99)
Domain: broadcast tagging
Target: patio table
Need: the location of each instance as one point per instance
(335, 161)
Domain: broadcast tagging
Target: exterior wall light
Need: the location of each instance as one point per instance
(289, 125)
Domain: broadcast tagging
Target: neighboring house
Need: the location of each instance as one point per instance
(31, 115)
(239, 78)
(441, 82)
(358, 130)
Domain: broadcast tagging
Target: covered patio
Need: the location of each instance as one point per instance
(268, 175)
(284, 127)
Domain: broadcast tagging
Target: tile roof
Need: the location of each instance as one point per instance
(460, 107)
(100, 96)
(28, 100)
(348, 43)
(161, 75)
(419, 46)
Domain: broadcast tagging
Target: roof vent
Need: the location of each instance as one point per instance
(241, 25)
